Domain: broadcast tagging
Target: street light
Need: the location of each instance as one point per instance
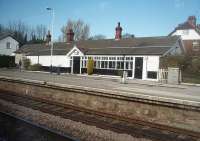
(52, 11)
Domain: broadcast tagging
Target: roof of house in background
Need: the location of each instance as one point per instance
(130, 46)
(185, 26)
(6, 34)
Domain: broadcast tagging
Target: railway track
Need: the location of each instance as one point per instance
(136, 128)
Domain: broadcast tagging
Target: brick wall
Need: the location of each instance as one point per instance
(152, 111)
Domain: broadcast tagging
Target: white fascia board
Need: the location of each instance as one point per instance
(74, 52)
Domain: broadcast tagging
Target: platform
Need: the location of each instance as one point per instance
(143, 89)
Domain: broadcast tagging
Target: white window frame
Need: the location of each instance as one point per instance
(8, 47)
(196, 45)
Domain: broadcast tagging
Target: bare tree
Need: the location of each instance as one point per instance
(2, 28)
(19, 30)
(81, 30)
(25, 33)
(97, 37)
(128, 35)
(41, 32)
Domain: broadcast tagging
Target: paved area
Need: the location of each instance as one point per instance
(188, 93)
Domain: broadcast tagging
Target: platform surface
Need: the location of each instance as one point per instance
(179, 92)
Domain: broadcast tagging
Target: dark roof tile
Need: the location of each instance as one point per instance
(142, 45)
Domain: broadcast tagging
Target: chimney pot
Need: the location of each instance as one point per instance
(118, 34)
(192, 21)
(70, 35)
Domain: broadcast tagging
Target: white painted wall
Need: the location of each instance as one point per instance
(150, 63)
(33, 59)
(13, 44)
(57, 60)
(189, 34)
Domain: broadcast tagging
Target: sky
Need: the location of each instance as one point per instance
(138, 17)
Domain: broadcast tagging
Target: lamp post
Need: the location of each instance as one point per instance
(52, 21)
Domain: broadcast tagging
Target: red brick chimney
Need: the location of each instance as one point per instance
(192, 21)
(48, 38)
(118, 34)
(70, 35)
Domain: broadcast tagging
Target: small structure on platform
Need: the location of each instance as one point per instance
(174, 76)
(138, 57)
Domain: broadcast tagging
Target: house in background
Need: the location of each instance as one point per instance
(140, 57)
(8, 44)
(190, 34)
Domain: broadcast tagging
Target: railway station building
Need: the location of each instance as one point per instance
(139, 56)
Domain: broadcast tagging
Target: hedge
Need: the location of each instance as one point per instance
(187, 64)
(7, 61)
(26, 63)
(35, 67)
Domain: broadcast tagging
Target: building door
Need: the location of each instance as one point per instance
(76, 65)
(138, 67)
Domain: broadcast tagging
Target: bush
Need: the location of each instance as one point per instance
(120, 73)
(181, 62)
(195, 66)
(35, 67)
(90, 66)
(26, 63)
(7, 61)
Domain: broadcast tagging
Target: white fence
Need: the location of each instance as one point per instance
(170, 75)
(163, 75)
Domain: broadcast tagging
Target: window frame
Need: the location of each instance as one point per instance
(8, 45)
(196, 45)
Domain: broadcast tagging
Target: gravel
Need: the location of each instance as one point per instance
(65, 126)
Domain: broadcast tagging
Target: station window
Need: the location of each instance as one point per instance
(127, 65)
(98, 64)
(8, 46)
(84, 63)
(104, 64)
(111, 64)
(196, 45)
(131, 65)
(120, 65)
(152, 74)
(104, 58)
(120, 58)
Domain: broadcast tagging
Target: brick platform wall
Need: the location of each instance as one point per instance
(118, 105)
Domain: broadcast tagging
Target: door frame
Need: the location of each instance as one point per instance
(75, 52)
(136, 68)
(73, 68)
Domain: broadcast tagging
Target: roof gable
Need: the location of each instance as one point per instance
(75, 52)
